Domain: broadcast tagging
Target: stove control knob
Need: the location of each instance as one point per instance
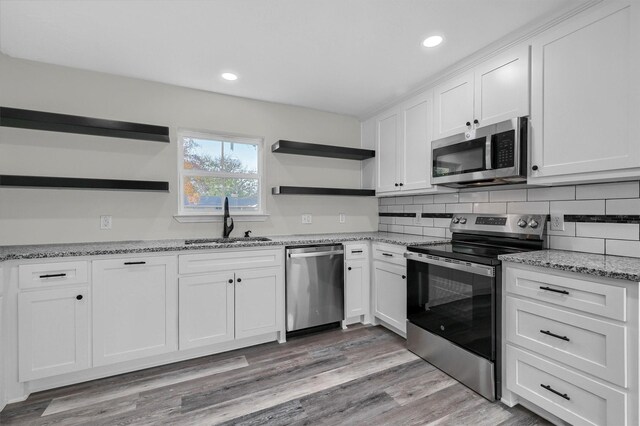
(455, 220)
(463, 220)
(533, 223)
(522, 223)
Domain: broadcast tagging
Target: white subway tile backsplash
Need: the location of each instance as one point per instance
(492, 208)
(578, 207)
(446, 198)
(459, 208)
(405, 221)
(382, 209)
(413, 230)
(387, 201)
(395, 209)
(623, 248)
(434, 232)
(448, 233)
(395, 228)
(589, 245)
(473, 197)
(608, 190)
(618, 231)
(423, 199)
(441, 222)
(508, 195)
(387, 220)
(569, 230)
(552, 193)
(631, 206)
(404, 200)
(426, 221)
(413, 208)
(382, 227)
(433, 208)
(529, 207)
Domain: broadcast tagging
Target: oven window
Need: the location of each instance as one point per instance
(459, 158)
(456, 305)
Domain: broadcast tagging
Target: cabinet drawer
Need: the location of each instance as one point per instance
(44, 274)
(355, 251)
(581, 294)
(593, 346)
(579, 400)
(390, 253)
(224, 260)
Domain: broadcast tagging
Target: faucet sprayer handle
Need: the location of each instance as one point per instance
(246, 234)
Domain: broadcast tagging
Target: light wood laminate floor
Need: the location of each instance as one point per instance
(363, 375)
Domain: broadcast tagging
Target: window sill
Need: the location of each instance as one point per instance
(210, 217)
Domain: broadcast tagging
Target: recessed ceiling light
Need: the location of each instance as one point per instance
(229, 76)
(432, 41)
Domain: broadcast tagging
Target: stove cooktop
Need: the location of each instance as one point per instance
(486, 255)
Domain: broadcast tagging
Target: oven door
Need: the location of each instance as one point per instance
(453, 299)
(457, 160)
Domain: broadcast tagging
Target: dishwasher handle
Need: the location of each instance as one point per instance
(315, 254)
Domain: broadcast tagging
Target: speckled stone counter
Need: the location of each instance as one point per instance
(42, 251)
(624, 268)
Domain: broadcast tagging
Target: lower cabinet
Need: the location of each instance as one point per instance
(257, 301)
(390, 294)
(135, 308)
(53, 328)
(356, 288)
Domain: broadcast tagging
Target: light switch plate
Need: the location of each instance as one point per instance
(105, 222)
(557, 221)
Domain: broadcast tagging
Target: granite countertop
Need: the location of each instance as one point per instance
(624, 268)
(41, 251)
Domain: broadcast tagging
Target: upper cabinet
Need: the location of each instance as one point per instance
(494, 91)
(585, 93)
(403, 139)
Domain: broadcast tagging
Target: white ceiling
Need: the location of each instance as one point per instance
(344, 56)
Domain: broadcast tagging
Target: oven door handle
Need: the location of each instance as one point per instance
(458, 265)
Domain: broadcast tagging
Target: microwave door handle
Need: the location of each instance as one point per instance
(487, 154)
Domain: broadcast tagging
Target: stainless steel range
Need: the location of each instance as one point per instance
(454, 295)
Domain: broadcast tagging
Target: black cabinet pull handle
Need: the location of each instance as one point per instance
(239, 280)
(534, 167)
(404, 276)
(356, 251)
(548, 333)
(135, 263)
(349, 268)
(387, 254)
(550, 389)
(230, 281)
(53, 275)
(79, 297)
(554, 290)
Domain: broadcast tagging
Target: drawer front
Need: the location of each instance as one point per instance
(579, 400)
(355, 251)
(593, 346)
(224, 261)
(44, 274)
(581, 294)
(390, 253)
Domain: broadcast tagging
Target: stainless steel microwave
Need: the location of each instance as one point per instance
(490, 155)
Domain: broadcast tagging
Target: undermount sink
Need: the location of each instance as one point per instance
(225, 240)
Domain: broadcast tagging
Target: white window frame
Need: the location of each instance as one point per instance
(187, 215)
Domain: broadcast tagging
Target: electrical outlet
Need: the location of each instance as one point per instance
(417, 220)
(307, 219)
(342, 218)
(557, 222)
(105, 222)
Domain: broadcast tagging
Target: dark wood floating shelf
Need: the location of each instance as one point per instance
(316, 150)
(307, 190)
(39, 120)
(82, 183)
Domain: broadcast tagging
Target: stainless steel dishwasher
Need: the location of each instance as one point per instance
(315, 285)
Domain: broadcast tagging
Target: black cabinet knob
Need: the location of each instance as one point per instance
(239, 280)
(79, 297)
(395, 184)
(404, 276)
(468, 123)
(401, 184)
(475, 121)
(230, 281)
(534, 167)
(349, 268)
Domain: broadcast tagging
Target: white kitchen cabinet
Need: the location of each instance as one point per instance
(404, 146)
(259, 302)
(206, 309)
(53, 329)
(135, 308)
(356, 281)
(493, 91)
(390, 294)
(585, 97)
(2, 348)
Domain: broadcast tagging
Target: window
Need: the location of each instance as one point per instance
(215, 166)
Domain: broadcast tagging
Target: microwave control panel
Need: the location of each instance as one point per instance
(503, 149)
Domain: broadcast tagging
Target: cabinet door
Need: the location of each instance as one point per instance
(135, 308)
(53, 332)
(259, 301)
(453, 106)
(416, 153)
(388, 137)
(390, 297)
(206, 309)
(582, 89)
(356, 288)
(502, 87)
